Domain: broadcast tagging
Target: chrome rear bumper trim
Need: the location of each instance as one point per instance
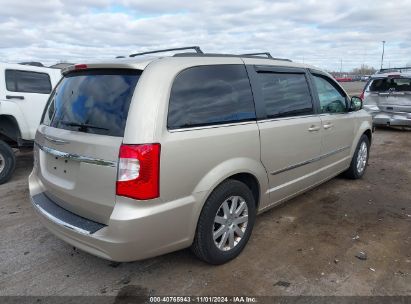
(76, 157)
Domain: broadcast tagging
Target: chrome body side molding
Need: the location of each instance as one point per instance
(310, 160)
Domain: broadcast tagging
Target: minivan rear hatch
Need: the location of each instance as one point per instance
(392, 94)
(78, 142)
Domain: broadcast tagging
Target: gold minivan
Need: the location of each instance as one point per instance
(139, 157)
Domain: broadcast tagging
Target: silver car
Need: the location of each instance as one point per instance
(387, 97)
(139, 157)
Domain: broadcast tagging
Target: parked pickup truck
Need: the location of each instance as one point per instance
(24, 90)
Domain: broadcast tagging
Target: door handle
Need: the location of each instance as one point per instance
(14, 97)
(313, 128)
(328, 125)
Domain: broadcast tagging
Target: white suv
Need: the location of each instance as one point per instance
(24, 90)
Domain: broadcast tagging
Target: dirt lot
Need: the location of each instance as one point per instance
(308, 243)
(353, 88)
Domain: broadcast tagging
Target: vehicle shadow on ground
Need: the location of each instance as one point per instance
(307, 242)
(393, 129)
(136, 278)
(24, 160)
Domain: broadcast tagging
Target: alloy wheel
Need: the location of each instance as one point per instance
(362, 157)
(2, 163)
(230, 223)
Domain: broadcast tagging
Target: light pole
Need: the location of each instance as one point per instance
(382, 56)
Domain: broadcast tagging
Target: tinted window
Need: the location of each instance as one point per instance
(95, 101)
(285, 94)
(391, 84)
(10, 81)
(208, 95)
(331, 99)
(27, 82)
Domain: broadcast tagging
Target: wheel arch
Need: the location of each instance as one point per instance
(249, 171)
(246, 178)
(368, 133)
(365, 128)
(251, 182)
(9, 128)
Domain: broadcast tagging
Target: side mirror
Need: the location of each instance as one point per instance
(356, 103)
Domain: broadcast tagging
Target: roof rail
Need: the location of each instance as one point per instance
(226, 55)
(195, 48)
(388, 70)
(259, 54)
(266, 54)
(33, 63)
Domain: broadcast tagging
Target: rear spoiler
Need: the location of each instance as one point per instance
(74, 67)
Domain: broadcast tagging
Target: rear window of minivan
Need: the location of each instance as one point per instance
(390, 84)
(92, 101)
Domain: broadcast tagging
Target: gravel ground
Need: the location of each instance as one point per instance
(353, 88)
(306, 246)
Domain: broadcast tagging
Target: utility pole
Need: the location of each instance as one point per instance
(340, 67)
(382, 56)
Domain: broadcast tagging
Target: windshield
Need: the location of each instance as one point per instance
(390, 84)
(92, 101)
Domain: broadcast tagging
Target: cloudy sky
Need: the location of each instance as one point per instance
(323, 33)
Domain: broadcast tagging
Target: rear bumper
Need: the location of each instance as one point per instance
(134, 231)
(391, 119)
(63, 217)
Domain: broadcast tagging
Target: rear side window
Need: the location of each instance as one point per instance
(92, 101)
(27, 82)
(285, 94)
(207, 95)
(391, 84)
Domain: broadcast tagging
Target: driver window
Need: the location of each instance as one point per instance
(331, 100)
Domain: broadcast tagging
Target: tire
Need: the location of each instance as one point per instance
(7, 162)
(230, 192)
(356, 171)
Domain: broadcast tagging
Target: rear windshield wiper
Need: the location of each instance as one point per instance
(82, 126)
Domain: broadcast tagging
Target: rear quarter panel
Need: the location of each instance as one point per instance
(364, 123)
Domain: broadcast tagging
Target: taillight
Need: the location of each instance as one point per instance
(138, 174)
(362, 96)
(75, 67)
(80, 66)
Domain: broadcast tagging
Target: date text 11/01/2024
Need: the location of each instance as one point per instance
(203, 299)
